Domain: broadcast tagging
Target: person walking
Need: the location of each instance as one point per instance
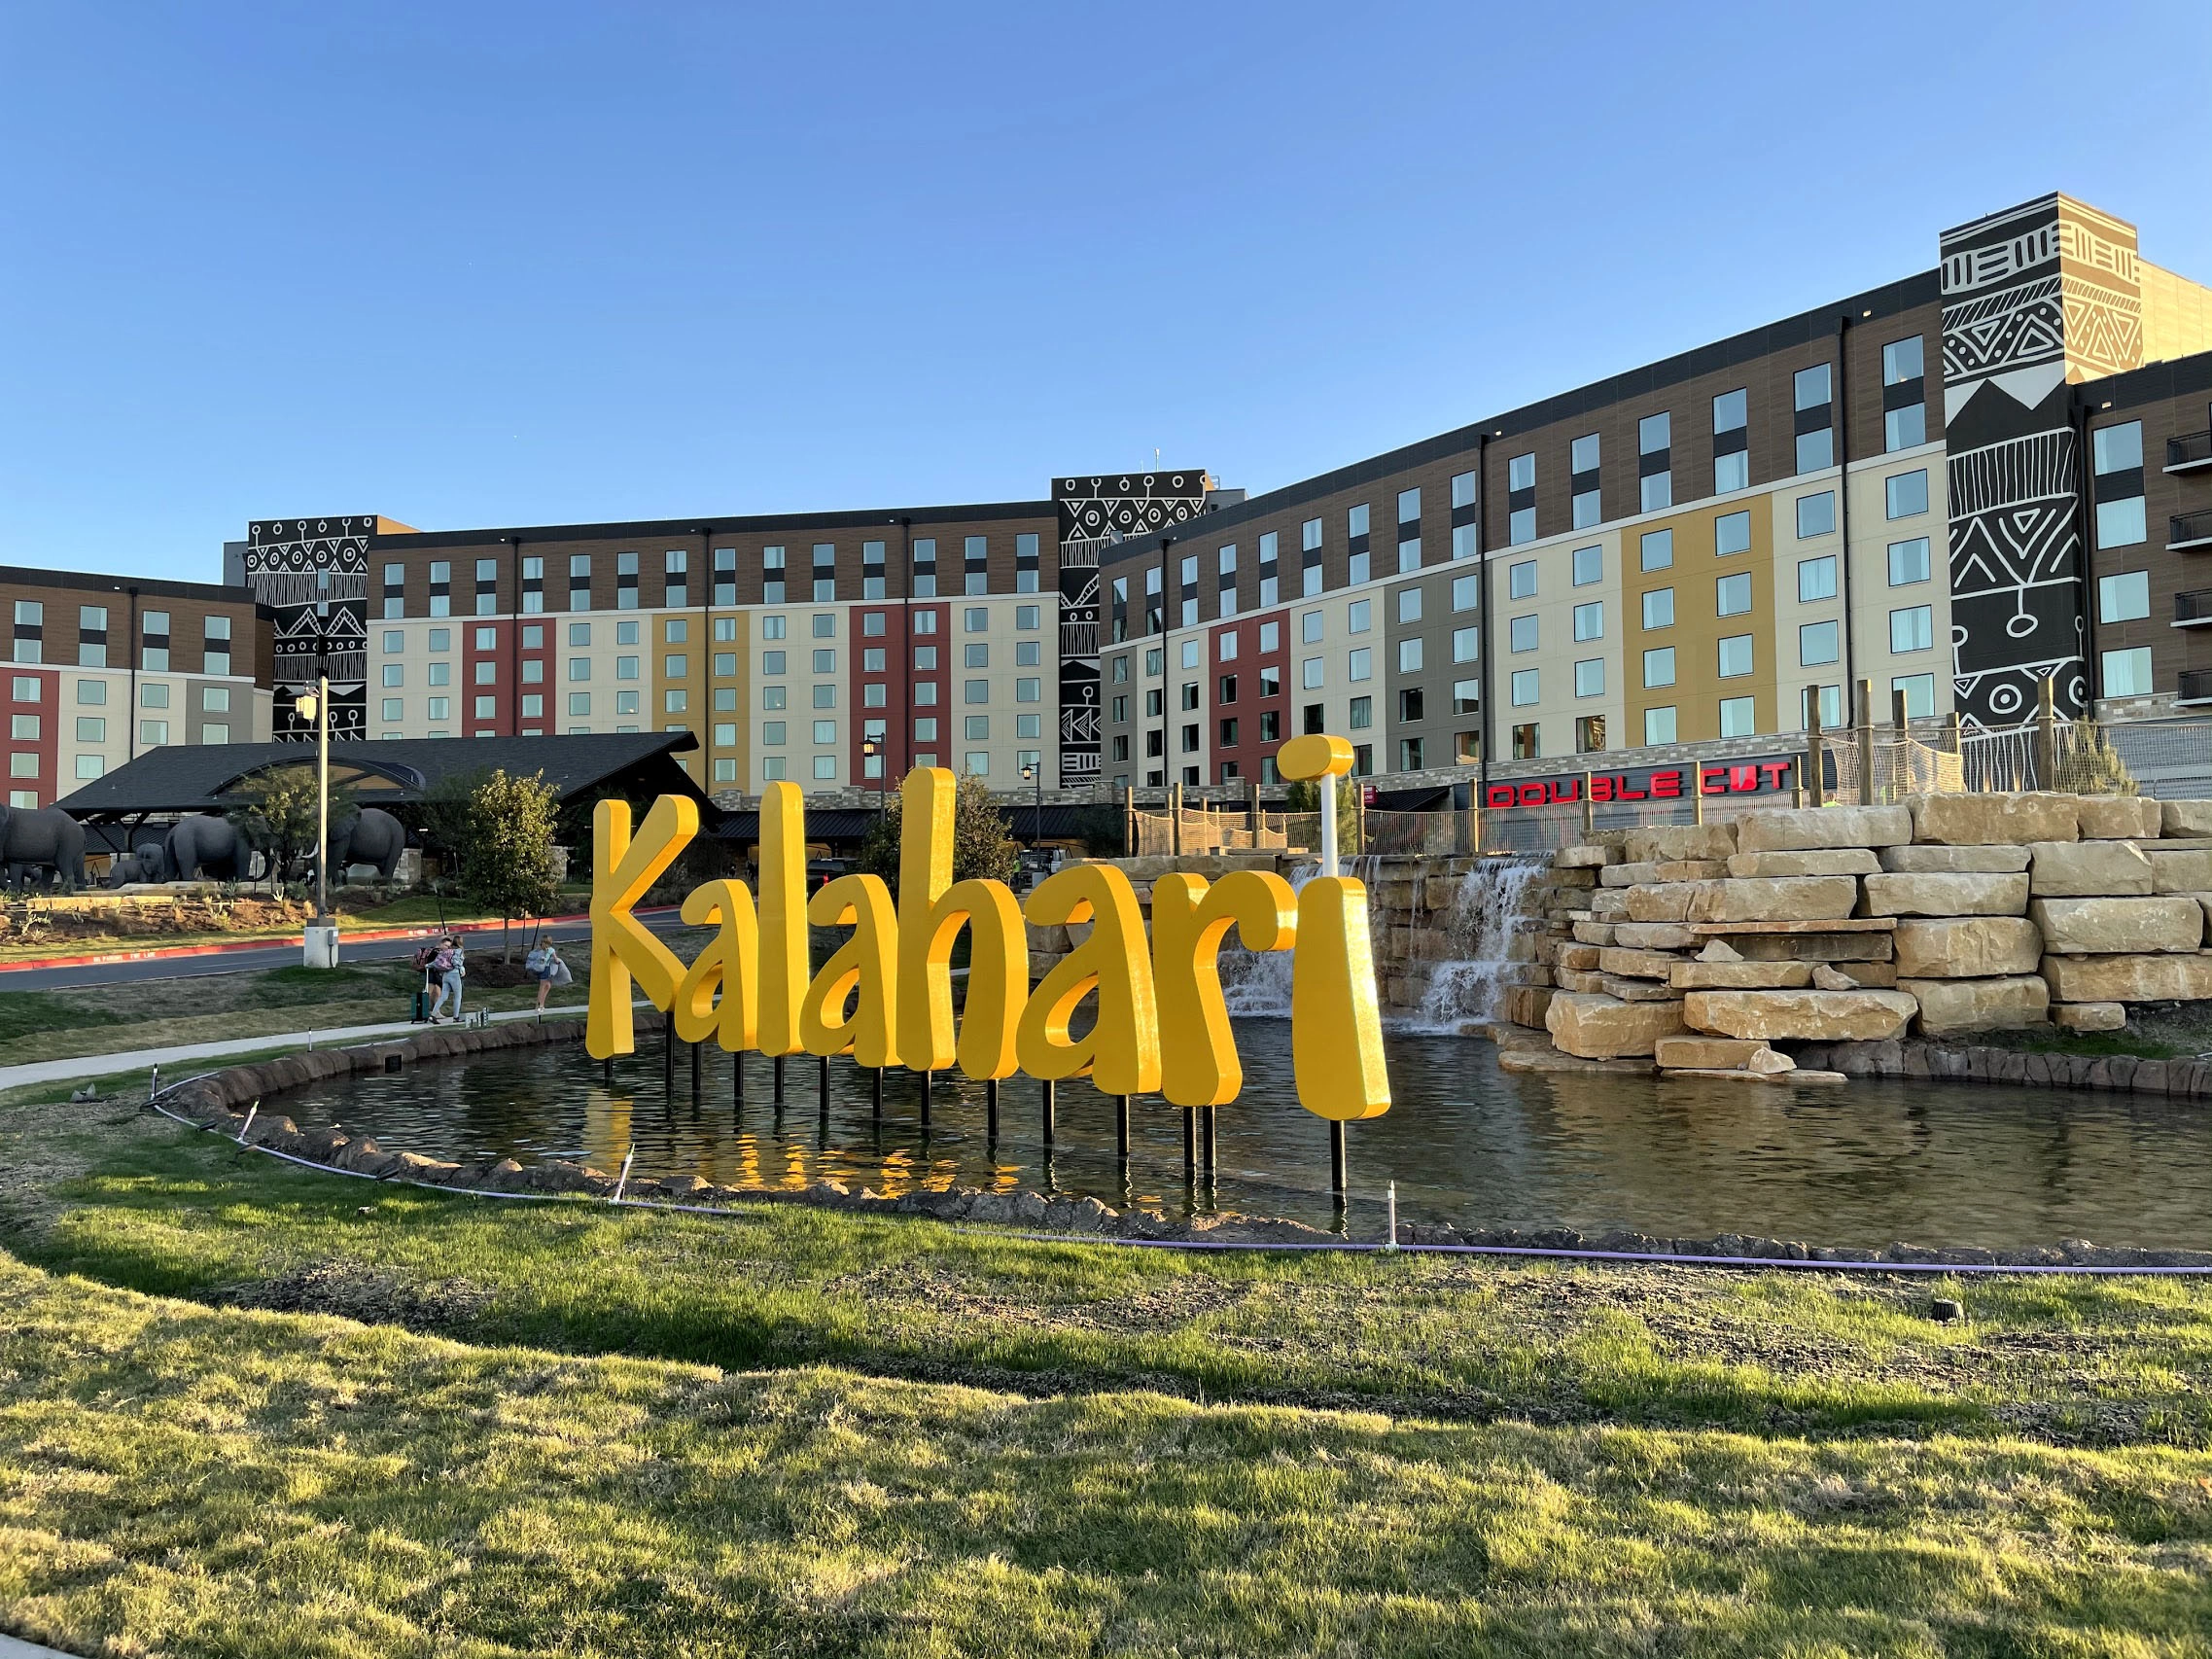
(545, 965)
(449, 967)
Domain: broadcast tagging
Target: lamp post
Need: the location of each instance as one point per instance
(322, 940)
(1036, 772)
(869, 752)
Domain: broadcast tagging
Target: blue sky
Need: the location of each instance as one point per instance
(471, 264)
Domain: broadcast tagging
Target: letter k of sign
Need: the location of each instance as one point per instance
(623, 871)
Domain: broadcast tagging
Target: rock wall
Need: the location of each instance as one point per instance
(1700, 947)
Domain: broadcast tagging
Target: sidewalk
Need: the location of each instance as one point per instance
(184, 1054)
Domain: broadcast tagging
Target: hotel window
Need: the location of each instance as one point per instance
(626, 581)
(1310, 673)
(92, 729)
(1732, 442)
(1359, 617)
(1659, 607)
(826, 660)
(874, 659)
(152, 731)
(1154, 658)
(1655, 549)
(1270, 568)
(1409, 604)
(1224, 648)
(1659, 667)
(1736, 656)
(1466, 530)
(1908, 562)
(1527, 741)
(1919, 694)
(487, 673)
(1737, 718)
(1589, 738)
(1815, 579)
(154, 633)
(1590, 677)
(871, 570)
(1361, 664)
(1187, 589)
(533, 707)
(823, 624)
(725, 699)
(1659, 725)
(1409, 656)
(1525, 687)
(1583, 458)
(1831, 699)
(825, 696)
(625, 702)
(1816, 514)
(1466, 644)
(1466, 591)
(824, 572)
(440, 587)
(976, 656)
(394, 591)
(825, 767)
(1732, 595)
(726, 573)
(2124, 598)
(215, 645)
(439, 708)
(772, 572)
(975, 556)
(2127, 673)
(1466, 696)
(25, 728)
(1905, 494)
(437, 673)
(1155, 616)
(1410, 704)
(91, 636)
(1904, 394)
(1025, 562)
(771, 628)
(1588, 566)
(676, 576)
(626, 667)
(925, 567)
(580, 702)
(2119, 452)
(1409, 530)
(1310, 558)
(1655, 462)
(580, 581)
(487, 587)
(1521, 499)
(533, 586)
(155, 696)
(674, 666)
(1732, 534)
(1520, 580)
(91, 693)
(826, 731)
(1912, 629)
(394, 674)
(1410, 752)
(1520, 634)
(1815, 419)
(1815, 643)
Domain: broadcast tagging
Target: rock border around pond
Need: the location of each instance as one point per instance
(227, 1102)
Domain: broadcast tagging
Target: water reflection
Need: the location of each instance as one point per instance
(1957, 1166)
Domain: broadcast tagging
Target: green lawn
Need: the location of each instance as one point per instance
(554, 1427)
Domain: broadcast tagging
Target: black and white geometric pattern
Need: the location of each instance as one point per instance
(314, 572)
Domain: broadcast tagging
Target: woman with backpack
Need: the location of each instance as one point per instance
(449, 967)
(544, 963)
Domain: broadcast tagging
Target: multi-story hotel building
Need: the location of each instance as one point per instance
(1984, 476)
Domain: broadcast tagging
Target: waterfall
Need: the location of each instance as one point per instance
(1479, 928)
(1256, 984)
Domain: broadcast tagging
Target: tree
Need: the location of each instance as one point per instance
(276, 816)
(981, 847)
(508, 834)
(1304, 797)
(2088, 765)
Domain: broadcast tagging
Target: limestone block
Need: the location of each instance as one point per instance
(1779, 898)
(2082, 927)
(2089, 1017)
(2184, 818)
(1053, 941)
(1594, 933)
(1822, 861)
(1581, 958)
(1810, 1016)
(1626, 874)
(1573, 979)
(1609, 906)
(1875, 975)
(1552, 1060)
(1524, 1004)
(1719, 950)
(1692, 869)
(1901, 894)
(1828, 979)
(1584, 858)
(1789, 829)
(1747, 1076)
(1955, 861)
(1814, 947)
(2129, 978)
(1993, 820)
(1661, 904)
(2180, 871)
(1739, 975)
(1636, 990)
(1636, 964)
(1605, 1027)
(2081, 869)
(1716, 1053)
(2117, 816)
(1655, 936)
(1672, 841)
(1769, 1063)
(1966, 948)
(1949, 1006)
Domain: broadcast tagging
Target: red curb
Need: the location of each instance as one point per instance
(163, 953)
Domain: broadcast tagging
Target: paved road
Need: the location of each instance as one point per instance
(286, 955)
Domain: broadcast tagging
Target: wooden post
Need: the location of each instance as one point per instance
(1174, 819)
(1129, 847)
(1589, 812)
(1797, 780)
(1866, 743)
(1954, 735)
(1903, 768)
(1816, 765)
(1252, 807)
(2046, 738)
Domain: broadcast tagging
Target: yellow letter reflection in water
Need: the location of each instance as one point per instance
(1122, 1050)
(864, 970)
(729, 964)
(1198, 1051)
(622, 871)
(1336, 1030)
(932, 908)
(783, 918)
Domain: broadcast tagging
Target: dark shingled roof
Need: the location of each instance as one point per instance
(200, 777)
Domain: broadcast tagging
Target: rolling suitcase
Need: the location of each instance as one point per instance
(424, 1002)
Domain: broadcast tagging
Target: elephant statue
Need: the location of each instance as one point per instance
(142, 865)
(42, 838)
(374, 837)
(209, 846)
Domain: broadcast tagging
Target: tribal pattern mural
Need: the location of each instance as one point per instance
(1095, 512)
(2023, 315)
(314, 574)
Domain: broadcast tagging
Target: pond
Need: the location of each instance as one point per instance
(1951, 1166)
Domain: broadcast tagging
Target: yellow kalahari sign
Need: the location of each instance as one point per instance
(885, 996)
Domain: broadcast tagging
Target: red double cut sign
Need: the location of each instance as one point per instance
(1766, 775)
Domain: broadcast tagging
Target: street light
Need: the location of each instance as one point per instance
(321, 945)
(868, 752)
(1036, 772)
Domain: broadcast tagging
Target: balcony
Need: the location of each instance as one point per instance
(2193, 609)
(2190, 453)
(2195, 686)
(2188, 530)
